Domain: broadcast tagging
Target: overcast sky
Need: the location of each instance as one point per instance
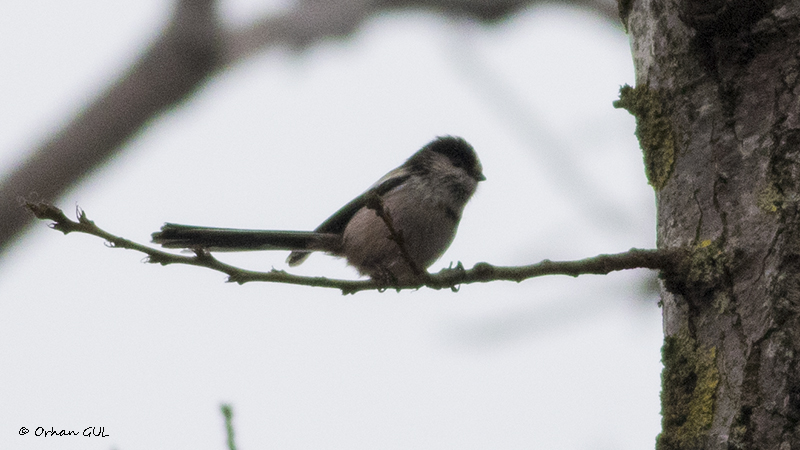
(91, 336)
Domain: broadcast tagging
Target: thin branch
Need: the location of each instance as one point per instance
(227, 412)
(450, 278)
(310, 21)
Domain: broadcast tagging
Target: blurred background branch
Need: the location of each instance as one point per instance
(193, 46)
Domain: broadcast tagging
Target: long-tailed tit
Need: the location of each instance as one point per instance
(424, 198)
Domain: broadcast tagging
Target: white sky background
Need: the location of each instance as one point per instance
(90, 336)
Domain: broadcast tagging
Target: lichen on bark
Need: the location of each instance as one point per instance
(701, 271)
(653, 129)
(689, 385)
(770, 199)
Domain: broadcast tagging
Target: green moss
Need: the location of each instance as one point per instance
(722, 300)
(770, 199)
(738, 438)
(702, 271)
(653, 129)
(707, 264)
(689, 384)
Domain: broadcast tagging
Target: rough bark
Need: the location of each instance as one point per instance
(718, 82)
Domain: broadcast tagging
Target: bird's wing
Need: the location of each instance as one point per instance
(338, 221)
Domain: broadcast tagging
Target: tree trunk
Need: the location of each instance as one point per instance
(718, 116)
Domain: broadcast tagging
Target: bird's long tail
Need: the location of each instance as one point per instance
(233, 239)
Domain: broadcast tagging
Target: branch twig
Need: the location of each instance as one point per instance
(227, 412)
(450, 278)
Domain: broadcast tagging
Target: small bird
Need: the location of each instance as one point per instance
(423, 200)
